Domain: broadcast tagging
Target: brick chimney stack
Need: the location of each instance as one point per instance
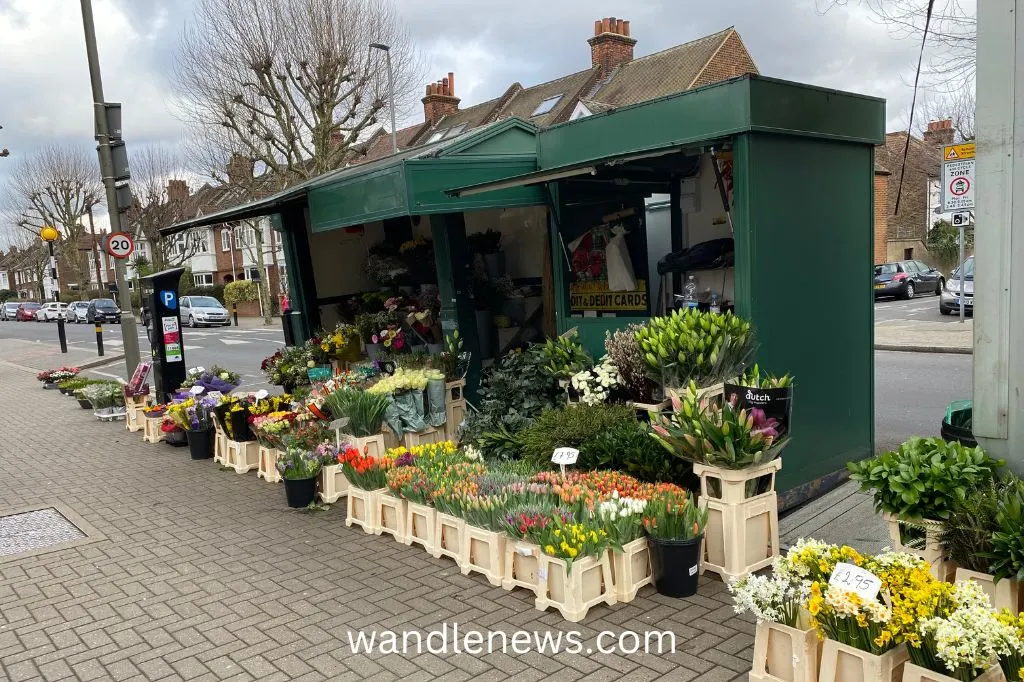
(240, 169)
(440, 99)
(177, 191)
(939, 132)
(611, 44)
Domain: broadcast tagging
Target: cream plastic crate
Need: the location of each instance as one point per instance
(574, 592)
(372, 446)
(268, 465)
(842, 663)
(448, 533)
(421, 526)
(483, 551)
(220, 444)
(390, 515)
(333, 484)
(930, 546)
(743, 532)
(243, 456)
(454, 407)
(1005, 594)
(914, 673)
(151, 432)
(522, 560)
(362, 508)
(133, 414)
(785, 654)
(631, 569)
(431, 435)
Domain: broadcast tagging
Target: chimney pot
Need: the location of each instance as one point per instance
(619, 28)
(451, 83)
(597, 27)
(440, 99)
(612, 46)
(625, 28)
(445, 86)
(605, 25)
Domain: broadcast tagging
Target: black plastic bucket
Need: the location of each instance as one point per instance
(957, 423)
(200, 443)
(675, 566)
(300, 492)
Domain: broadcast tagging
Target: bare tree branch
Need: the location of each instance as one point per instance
(956, 106)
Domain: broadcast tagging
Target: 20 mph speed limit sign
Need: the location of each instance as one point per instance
(120, 244)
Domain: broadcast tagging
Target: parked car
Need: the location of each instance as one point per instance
(51, 312)
(203, 310)
(907, 278)
(77, 312)
(27, 312)
(103, 310)
(9, 309)
(949, 301)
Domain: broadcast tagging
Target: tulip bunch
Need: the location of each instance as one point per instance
(364, 471)
(410, 483)
(572, 540)
(672, 515)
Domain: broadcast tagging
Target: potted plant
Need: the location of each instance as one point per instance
(675, 530)
(342, 344)
(365, 413)
(487, 245)
(917, 486)
(574, 572)
(1007, 553)
(622, 518)
(563, 356)
(52, 377)
(194, 417)
(735, 454)
(766, 392)
(624, 352)
(483, 540)
(299, 469)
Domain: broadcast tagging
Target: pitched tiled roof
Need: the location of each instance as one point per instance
(660, 74)
(921, 156)
(569, 87)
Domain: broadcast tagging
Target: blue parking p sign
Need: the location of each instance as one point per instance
(169, 299)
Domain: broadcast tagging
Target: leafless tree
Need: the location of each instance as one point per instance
(56, 186)
(958, 107)
(155, 207)
(32, 256)
(952, 34)
(292, 83)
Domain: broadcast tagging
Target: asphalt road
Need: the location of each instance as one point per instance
(921, 308)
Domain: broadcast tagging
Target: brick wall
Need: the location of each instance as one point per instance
(882, 210)
(731, 60)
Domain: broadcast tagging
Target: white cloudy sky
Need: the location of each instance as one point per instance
(46, 97)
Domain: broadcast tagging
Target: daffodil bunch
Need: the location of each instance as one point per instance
(572, 541)
(814, 561)
(849, 619)
(1011, 649)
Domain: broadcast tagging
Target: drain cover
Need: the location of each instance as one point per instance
(35, 530)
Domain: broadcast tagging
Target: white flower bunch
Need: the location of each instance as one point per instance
(775, 598)
(970, 638)
(622, 517)
(472, 454)
(595, 384)
(846, 603)
(889, 560)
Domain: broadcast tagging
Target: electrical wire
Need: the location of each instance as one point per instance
(913, 103)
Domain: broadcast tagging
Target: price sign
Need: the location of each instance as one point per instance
(855, 579)
(120, 245)
(564, 456)
(262, 394)
(196, 390)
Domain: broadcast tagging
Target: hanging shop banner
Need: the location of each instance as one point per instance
(596, 296)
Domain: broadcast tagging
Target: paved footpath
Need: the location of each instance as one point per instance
(189, 572)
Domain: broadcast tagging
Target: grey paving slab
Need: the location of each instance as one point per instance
(842, 516)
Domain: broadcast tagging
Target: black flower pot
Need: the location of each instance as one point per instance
(240, 430)
(220, 414)
(200, 443)
(64, 391)
(84, 404)
(176, 438)
(300, 492)
(675, 565)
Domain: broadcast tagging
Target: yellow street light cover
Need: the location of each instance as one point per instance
(49, 234)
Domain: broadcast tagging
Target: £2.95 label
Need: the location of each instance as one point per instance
(855, 579)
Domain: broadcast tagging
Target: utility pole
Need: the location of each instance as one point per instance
(129, 334)
(95, 248)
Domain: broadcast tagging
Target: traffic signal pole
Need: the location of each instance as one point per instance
(129, 335)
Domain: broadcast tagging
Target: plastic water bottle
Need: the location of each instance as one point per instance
(690, 292)
(715, 307)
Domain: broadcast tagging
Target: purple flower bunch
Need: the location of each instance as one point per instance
(406, 459)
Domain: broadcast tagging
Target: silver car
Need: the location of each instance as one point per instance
(9, 310)
(199, 311)
(949, 302)
(77, 312)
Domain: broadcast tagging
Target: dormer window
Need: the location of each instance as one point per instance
(546, 106)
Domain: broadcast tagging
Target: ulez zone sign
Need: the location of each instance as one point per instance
(957, 177)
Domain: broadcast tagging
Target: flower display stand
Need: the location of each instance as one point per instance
(1005, 594)
(927, 546)
(522, 561)
(268, 465)
(243, 456)
(742, 532)
(643, 410)
(454, 407)
(333, 483)
(785, 654)
(390, 439)
(842, 663)
(448, 533)
(390, 515)
(362, 508)
(431, 435)
(371, 446)
(915, 673)
(421, 526)
(483, 551)
(631, 569)
(133, 416)
(220, 444)
(573, 592)
(151, 432)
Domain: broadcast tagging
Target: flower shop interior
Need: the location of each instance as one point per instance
(529, 234)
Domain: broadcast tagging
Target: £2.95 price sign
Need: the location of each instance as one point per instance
(855, 579)
(120, 244)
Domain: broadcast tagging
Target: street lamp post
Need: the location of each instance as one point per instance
(49, 235)
(391, 88)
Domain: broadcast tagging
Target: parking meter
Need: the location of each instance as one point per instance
(160, 295)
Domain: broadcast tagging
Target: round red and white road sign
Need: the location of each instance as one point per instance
(119, 244)
(959, 186)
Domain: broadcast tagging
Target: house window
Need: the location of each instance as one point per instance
(455, 130)
(908, 254)
(546, 106)
(203, 279)
(200, 241)
(225, 239)
(252, 273)
(437, 136)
